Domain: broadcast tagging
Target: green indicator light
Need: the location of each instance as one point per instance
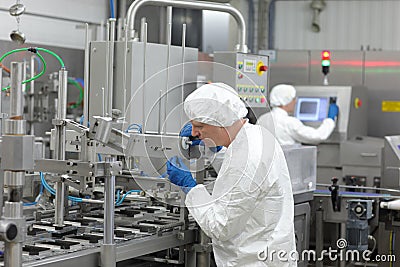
(325, 63)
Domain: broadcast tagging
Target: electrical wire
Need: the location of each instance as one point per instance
(125, 195)
(80, 98)
(53, 192)
(5, 68)
(36, 199)
(134, 126)
(34, 77)
(35, 51)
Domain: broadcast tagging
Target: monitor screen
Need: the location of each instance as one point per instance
(311, 108)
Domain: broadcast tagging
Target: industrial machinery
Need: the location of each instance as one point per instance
(301, 161)
(101, 198)
(348, 152)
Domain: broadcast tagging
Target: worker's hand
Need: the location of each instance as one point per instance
(187, 132)
(333, 111)
(179, 174)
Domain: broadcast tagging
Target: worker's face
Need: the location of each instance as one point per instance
(211, 135)
(291, 106)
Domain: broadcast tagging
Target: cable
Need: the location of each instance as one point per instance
(112, 9)
(80, 98)
(118, 196)
(36, 199)
(53, 192)
(5, 68)
(134, 126)
(34, 77)
(125, 195)
(35, 51)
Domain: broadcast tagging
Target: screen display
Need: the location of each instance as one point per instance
(311, 108)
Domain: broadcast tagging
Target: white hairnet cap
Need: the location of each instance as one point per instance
(216, 104)
(282, 94)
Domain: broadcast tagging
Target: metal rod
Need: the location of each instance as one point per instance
(59, 211)
(203, 258)
(13, 254)
(136, 5)
(125, 74)
(1, 114)
(86, 77)
(31, 97)
(144, 81)
(183, 70)
(24, 76)
(169, 41)
(108, 255)
(62, 94)
(109, 201)
(59, 150)
(16, 103)
(362, 187)
(110, 69)
(319, 235)
(142, 29)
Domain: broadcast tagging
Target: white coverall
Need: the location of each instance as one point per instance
(251, 207)
(289, 130)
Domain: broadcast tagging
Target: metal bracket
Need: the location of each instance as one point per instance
(77, 168)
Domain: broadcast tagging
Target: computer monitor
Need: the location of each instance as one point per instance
(311, 108)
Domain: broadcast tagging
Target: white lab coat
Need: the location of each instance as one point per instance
(251, 207)
(290, 130)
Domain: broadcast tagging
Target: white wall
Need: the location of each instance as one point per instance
(59, 30)
(347, 25)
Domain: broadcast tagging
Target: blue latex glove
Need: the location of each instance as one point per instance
(187, 132)
(179, 174)
(333, 111)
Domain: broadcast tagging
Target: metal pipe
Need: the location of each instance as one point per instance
(142, 29)
(109, 199)
(110, 69)
(16, 103)
(31, 97)
(169, 41)
(203, 258)
(108, 257)
(1, 114)
(59, 149)
(136, 5)
(125, 75)
(13, 254)
(62, 94)
(319, 235)
(86, 77)
(59, 211)
(183, 69)
(143, 81)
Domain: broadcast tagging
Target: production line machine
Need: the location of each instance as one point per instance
(101, 198)
(348, 153)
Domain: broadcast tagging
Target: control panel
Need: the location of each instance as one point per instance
(247, 73)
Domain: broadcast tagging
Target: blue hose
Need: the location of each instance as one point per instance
(125, 195)
(112, 9)
(53, 192)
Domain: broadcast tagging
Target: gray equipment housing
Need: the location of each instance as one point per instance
(347, 152)
(243, 73)
(157, 81)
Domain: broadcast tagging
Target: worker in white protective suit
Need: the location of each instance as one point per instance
(288, 129)
(249, 214)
